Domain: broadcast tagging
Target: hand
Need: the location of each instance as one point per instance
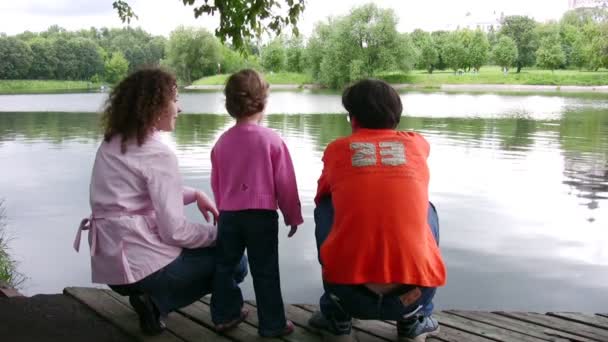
(206, 206)
(294, 229)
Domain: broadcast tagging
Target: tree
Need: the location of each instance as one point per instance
(273, 56)
(429, 57)
(440, 39)
(116, 68)
(522, 30)
(478, 50)
(505, 52)
(193, 53)
(361, 44)
(455, 52)
(44, 60)
(15, 58)
(239, 20)
(550, 54)
(294, 54)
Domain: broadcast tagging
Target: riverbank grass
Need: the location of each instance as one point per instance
(487, 75)
(494, 75)
(8, 267)
(42, 86)
(272, 78)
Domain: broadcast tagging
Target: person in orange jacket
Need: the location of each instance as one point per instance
(376, 230)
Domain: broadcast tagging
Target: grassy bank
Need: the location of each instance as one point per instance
(8, 267)
(487, 75)
(272, 78)
(494, 75)
(43, 86)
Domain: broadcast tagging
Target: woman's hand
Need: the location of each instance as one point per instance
(206, 206)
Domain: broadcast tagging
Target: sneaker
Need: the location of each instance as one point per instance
(320, 322)
(417, 329)
(232, 324)
(149, 317)
(289, 328)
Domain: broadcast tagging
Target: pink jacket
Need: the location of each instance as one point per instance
(137, 225)
(252, 169)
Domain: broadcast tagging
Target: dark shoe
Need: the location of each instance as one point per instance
(418, 329)
(232, 324)
(289, 328)
(338, 333)
(149, 317)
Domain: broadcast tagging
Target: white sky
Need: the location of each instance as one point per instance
(162, 16)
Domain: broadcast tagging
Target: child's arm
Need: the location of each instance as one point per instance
(286, 187)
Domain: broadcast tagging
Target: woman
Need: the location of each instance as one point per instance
(141, 243)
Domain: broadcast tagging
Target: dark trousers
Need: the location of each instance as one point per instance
(256, 231)
(339, 303)
(183, 281)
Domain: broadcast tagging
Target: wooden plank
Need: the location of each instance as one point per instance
(483, 329)
(200, 312)
(546, 334)
(116, 313)
(559, 324)
(387, 330)
(179, 325)
(592, 320)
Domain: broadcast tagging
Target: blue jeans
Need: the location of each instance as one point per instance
(339, 303)
(257, 231)
(183, 281)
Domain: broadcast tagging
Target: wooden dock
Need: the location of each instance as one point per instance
(193, 323)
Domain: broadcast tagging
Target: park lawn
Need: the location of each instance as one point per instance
(494, 75)
(35, 86)
(272, 78)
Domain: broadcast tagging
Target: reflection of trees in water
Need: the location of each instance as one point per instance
(584, 140)
(588, 175)
(51, 126)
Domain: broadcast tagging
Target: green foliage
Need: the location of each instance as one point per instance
(550, 54)
(361, 44)
(523, 31)
(193, 53)
(15, 58)
(273, 56)
(478, 50)
(455, 53)
(239, 20)
(43, 86)
(429, 57)
(8, 267)
(275, 78)
(505, 52)
(294, 54)
(116, 68)
(44, 61)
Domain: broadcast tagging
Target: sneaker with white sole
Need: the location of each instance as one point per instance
(418, 329)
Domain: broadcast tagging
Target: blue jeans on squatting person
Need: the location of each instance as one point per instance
(339, 303)
(182, 282)
(257, 231)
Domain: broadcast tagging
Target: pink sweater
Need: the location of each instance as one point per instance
(252, 169)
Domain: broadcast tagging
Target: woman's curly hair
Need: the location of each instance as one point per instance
(136, 103)
(246, 93)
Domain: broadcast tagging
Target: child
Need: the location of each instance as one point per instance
(252, 174)
(376, 229)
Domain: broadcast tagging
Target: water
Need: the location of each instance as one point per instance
(520, 182)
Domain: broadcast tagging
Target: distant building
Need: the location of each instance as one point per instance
(473, 21)
(574, 4)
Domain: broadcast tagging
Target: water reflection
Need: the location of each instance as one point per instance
(519, 198)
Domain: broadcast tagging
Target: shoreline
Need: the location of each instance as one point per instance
(445, 87)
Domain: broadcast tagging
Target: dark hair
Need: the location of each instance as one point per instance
(136, 103)
(373, 103)
(246, 93)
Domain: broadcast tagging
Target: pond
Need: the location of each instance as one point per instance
(520, 182)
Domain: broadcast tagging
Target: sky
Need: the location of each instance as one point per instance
(160, 17)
